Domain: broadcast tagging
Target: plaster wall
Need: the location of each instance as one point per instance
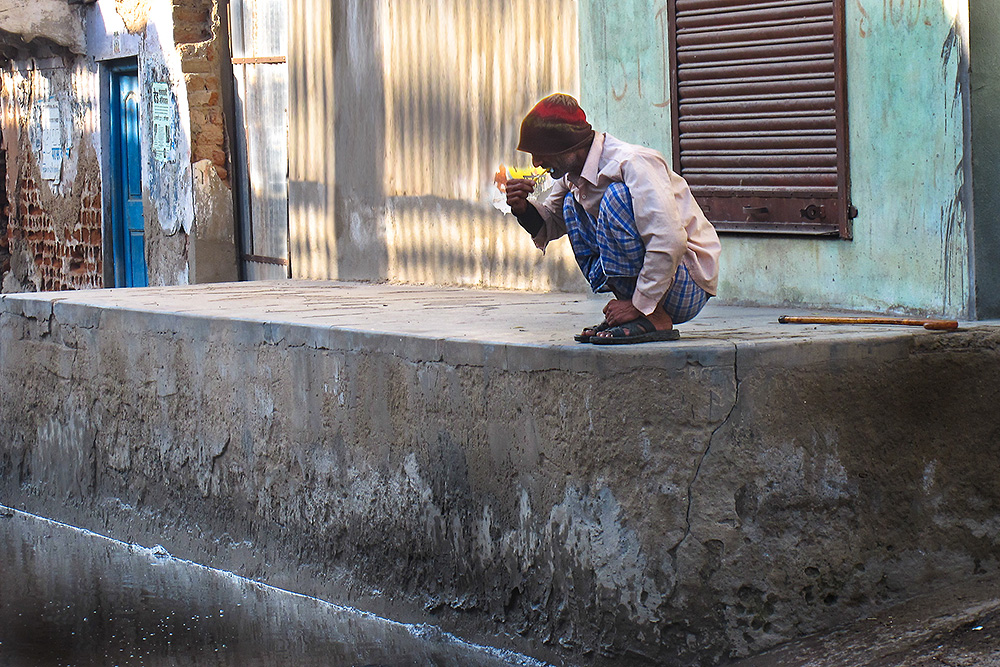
(907, 68)
(45, 20)
(607, 509)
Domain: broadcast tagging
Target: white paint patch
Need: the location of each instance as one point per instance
(929, 471)
(359, 41)
(597, 538)
(361, 236)
(60, 456)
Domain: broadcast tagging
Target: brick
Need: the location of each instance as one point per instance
(199, 116)
(211, 133)
(190, 33)
(197, 65)
(191, 15)
(203, 98)
(203, 82)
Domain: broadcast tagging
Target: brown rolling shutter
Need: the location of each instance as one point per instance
(759, 113)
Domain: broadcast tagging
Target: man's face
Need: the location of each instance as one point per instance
(560, 164)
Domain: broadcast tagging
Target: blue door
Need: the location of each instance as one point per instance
(127, 229)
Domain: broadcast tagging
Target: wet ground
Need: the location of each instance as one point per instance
(70, 597)
(957, 626)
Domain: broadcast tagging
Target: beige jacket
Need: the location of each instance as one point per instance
(671, 223)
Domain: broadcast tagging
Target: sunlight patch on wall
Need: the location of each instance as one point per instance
(459, 77)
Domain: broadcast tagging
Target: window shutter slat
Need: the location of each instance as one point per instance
(720, 7)
(742, 70)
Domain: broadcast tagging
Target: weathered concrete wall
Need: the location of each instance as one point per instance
(641, 508)
(48, 21)
(907, 94)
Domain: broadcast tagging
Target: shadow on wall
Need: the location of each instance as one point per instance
(425, 98)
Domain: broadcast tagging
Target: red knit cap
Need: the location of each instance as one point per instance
(555, 125)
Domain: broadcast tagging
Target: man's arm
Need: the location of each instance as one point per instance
(659, 222)
(543, 220)
(525, 212)
(531, 220)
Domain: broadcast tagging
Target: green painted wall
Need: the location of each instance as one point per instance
(906, 65)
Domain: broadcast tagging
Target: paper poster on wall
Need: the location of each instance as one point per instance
(163, 133)
(52, 148)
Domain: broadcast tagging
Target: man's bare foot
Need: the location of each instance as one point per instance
(589, 332)
(658, 318)
(597, 328)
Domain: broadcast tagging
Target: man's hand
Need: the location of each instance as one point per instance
(621, 311)
(518, 190)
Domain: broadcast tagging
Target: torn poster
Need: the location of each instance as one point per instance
(163, 134)
(52, 143)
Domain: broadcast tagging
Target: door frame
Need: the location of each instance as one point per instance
(116, 227)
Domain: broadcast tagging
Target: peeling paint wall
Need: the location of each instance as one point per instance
(58, 233)
(53, 236)
(180, 47)
(907, 130)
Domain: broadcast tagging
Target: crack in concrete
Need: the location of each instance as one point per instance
(708, 448)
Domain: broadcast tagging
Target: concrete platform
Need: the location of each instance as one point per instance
(442, 314)
(668, 503)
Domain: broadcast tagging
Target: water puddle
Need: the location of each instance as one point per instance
(69, 597)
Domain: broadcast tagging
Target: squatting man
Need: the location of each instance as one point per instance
(634, 227)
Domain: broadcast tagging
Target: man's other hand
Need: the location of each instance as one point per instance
(518, 190)
(620, 311)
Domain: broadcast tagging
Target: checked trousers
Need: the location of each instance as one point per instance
(610, 252)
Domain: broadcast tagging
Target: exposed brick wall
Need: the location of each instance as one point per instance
(4, 218)
(50, 234)
(198, 33)
(64, 254)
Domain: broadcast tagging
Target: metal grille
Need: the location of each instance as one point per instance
(258, 30)
(759, 113)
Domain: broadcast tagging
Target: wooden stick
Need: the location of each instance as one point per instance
(939, 325)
